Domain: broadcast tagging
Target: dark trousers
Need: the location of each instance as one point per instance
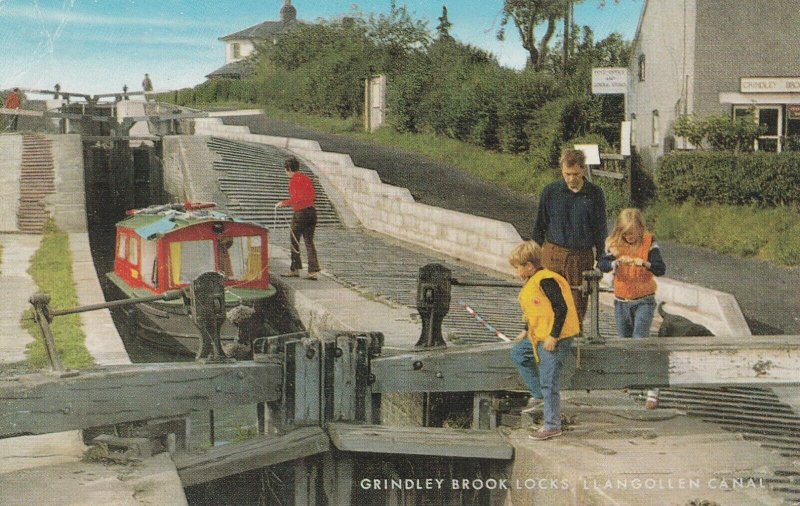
(570, 263)
(304, 222)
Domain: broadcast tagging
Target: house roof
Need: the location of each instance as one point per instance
(235, 70)
(263, 31)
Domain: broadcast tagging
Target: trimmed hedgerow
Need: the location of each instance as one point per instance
(763, 179)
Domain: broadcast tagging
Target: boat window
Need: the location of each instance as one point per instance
(133, 251)
(149, 269)
(240, 258)
(122, 246)
(189, 259)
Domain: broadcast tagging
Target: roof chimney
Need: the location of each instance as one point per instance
(288, 12)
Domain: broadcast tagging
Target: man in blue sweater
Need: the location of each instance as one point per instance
(570, 223)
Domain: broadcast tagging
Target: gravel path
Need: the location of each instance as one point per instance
(768, 295)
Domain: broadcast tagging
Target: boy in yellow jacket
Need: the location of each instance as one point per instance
(551, 320)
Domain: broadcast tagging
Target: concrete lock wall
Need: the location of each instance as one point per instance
(10, 166)
(68, 204)
(484, 242)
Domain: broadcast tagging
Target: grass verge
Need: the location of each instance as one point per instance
(511, 171)
(51, 270)
(769, 234)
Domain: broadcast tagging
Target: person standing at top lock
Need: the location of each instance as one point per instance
(147, 85)
(570, 221)
(304, 219)
(12, 102)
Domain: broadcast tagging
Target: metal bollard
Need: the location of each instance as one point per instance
(591, 285)
(433, 303)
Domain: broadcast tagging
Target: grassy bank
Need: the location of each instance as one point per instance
(511, 171)
(769, 234)
(51, 270)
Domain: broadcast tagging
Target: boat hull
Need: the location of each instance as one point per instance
(168, 326)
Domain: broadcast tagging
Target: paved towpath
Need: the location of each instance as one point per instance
(768, 295)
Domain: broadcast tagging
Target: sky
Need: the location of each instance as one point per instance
(97, 46)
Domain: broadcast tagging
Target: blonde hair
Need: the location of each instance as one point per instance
(526, 252)
(628, 218)
(573, 158)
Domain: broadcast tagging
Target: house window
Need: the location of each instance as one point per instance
(656, 129)
(237, 50)
(642, 67)
(770, 118)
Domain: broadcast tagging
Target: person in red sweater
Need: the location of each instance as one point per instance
(304, 218)
(12, 102)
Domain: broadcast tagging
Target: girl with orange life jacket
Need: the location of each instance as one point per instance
(633, 254)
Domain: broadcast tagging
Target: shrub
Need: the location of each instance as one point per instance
(723, 133)
(766, 179)
(523, 94)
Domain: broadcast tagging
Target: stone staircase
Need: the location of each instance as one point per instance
(253, 181)
(36, 183)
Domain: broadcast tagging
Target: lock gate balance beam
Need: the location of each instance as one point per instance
(619, 363)
(44, 403)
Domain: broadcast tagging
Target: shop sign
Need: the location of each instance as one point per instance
(770, 85)
(610, 81)
(793, 111)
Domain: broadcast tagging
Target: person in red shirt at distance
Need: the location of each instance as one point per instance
(12, 102)
(304, 218)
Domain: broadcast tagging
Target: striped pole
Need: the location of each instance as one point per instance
(486, 324)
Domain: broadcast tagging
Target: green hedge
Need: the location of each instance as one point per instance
(764, 179)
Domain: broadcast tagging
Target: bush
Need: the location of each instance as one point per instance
(766, 179)
(723, 133)
(524, 93)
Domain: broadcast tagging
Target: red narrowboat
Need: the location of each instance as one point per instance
(163, 248)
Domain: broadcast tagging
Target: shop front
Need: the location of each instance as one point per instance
(772, 102)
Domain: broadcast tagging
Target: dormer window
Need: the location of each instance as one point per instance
(237, 50)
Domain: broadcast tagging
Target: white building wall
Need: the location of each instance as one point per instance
(666, 38)
(246, 48)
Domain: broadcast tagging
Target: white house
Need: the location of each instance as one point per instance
(711, 57)
(240, 45)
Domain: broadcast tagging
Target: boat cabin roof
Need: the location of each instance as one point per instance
(151, 226)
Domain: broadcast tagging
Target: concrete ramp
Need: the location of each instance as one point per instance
(151, 481)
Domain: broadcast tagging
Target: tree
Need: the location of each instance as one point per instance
(443, 28)
(528, 14)
(398, 32)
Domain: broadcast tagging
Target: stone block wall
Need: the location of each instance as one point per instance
(10, 165)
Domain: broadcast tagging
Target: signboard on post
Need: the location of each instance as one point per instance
(610, 81)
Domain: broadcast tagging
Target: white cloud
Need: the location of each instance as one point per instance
(68, 15)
